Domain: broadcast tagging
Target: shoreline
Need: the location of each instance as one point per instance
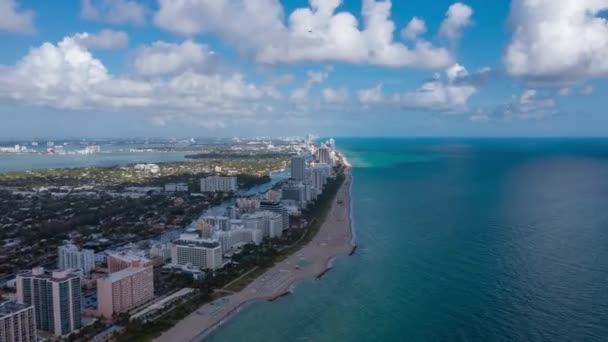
(313, 261)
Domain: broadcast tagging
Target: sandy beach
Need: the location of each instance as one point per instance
(333, 239)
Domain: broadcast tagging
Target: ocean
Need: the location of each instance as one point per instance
(459, 240)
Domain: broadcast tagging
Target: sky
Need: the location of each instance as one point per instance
(179, 68)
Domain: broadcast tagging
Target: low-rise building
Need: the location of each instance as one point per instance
(176, 187)
(219, 184)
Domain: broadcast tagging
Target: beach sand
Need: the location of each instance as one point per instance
(333, 239)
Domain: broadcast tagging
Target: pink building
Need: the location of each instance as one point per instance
(121, 260)
(126, 289)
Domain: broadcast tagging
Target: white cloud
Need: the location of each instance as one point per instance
(314, 78)
(339, 95)
(371, 96)
(558, 41)
(114, 11)
(105, 39)
(67, 76)
(414, 28)
(439, 93)
(14, 19)
(160, 58)
(314, 34)
(456, 19)
(528, 106)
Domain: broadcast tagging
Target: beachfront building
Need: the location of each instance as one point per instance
(126, 289)
(118, 261)
(298, 167)
(160, 251)
(268, 222)
(71, 257)
(278, 208)
(219, 184)
(217, 222)
(323, 155)
(237, 237)
(55, 296)
(192, 249)
(296, 193)
(17, 323)
(176, 187)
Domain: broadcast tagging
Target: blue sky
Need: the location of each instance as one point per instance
(174, 68)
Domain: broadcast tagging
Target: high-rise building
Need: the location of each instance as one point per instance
(55, 297)
(268, 222)
(218, 184)
(237, 237)
(277, 208)
(294, 192)
(217, 222)
(323, 155)
(70, 257)
(118, 261)
(126, 289)
(17, 322)
(191, 249)
(332, 144)
(298, 167)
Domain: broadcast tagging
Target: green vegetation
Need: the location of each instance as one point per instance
(225, 155)
(121, 176)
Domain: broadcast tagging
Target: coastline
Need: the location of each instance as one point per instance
(334, 238)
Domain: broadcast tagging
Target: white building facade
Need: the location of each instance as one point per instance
(70, 257)
(219, 184)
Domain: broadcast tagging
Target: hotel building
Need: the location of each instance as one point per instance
(118, 261)
(126, 289)
(191, 249)
(70, 257)
(55, 297)
(219, 184)
(298, 167)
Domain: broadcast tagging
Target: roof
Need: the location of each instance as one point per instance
(127, 272)
(10, 307)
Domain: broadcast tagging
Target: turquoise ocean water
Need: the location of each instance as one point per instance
(459, 240)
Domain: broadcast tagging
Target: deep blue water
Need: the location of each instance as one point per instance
(459, 240)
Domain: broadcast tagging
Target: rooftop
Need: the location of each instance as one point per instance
(127, 272)
(11, 307)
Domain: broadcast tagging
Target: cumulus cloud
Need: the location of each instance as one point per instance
(160, 58)
(414, 28)
(114, 11)
(313, 34)
(105, 39)
(530, 105)
(314, 78)
(15, 19)
(456, 19)
(439, 93)
(66, 75)
(558, 41)
(371, 96)
(332, 95)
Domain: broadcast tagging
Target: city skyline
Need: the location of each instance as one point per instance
(119, 68)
